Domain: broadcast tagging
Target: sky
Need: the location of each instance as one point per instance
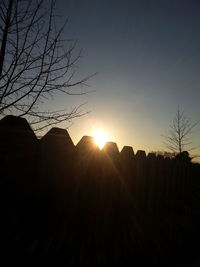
(147, 58)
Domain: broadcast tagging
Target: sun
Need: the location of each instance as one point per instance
(100, 138)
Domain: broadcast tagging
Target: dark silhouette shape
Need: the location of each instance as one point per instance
(59, 133)
(87, 206)
(110, 148)
(183, 156)
(13, 127)
(56, 158)
(151, 156)
(140, 154)
(57, 141)
(87, 144)
(160, 157)
(127, 152)
(18, 145)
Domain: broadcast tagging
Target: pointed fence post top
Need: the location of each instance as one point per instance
(127, 152)
(87, 144)
(57, 131)
(110, 148)
(151, 156)
(57, 138)
(140, 154)
(16, 126)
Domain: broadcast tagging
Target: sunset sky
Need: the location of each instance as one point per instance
(147, 56)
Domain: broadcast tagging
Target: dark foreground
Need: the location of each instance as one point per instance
(77, 206)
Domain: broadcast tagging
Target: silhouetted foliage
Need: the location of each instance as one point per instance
(165, 154)
(183, 156)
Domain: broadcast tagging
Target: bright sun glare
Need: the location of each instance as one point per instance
(100, 138)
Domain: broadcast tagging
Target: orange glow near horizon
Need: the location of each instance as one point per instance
(100, 138)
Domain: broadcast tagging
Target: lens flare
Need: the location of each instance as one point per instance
(100, 138)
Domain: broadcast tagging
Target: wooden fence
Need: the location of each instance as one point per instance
(128, 198)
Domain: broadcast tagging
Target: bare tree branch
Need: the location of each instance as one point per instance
(178, 138)
(35, 62)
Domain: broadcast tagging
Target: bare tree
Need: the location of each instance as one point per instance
(35, 62)
(179, 138)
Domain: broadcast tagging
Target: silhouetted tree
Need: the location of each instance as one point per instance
(178, 138)
(35, 62)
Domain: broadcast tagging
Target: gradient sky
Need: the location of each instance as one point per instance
(147, 55)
